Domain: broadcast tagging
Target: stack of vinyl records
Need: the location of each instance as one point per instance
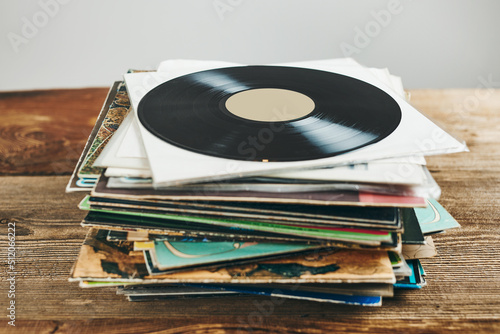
(302, 180)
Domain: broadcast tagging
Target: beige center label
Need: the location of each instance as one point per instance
(270, 105)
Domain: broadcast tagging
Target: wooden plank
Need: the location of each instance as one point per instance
(463, 292)
(44, 132)
(463, 279)
(223, 324)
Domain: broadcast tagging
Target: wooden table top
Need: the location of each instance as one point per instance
(41, 136)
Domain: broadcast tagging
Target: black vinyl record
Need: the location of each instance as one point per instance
(191, 112)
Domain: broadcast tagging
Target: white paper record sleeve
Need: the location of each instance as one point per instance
(172, 165)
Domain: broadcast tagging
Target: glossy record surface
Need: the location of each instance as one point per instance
(190, 112)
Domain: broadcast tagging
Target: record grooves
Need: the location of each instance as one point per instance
(191, 112)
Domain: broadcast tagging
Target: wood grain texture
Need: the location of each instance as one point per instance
(463, 292)
(44, 132)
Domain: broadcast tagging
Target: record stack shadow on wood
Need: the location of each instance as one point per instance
(301, 180)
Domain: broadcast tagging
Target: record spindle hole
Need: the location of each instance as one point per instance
(270, 105)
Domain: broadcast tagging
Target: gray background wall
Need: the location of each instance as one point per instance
(80, 43)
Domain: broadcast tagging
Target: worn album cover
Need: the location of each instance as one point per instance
(361, 236)
(355, 198)
(117, 111)
(184, 213)
(379, 217)
(198, 290)
(84, 184)
(434, 217)
(415, 280)
(184, 254)
(412, 233)
(102, 260)
(187, 229)
(274, 184)
(175, 230)
(416, 251)
(360, 289)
